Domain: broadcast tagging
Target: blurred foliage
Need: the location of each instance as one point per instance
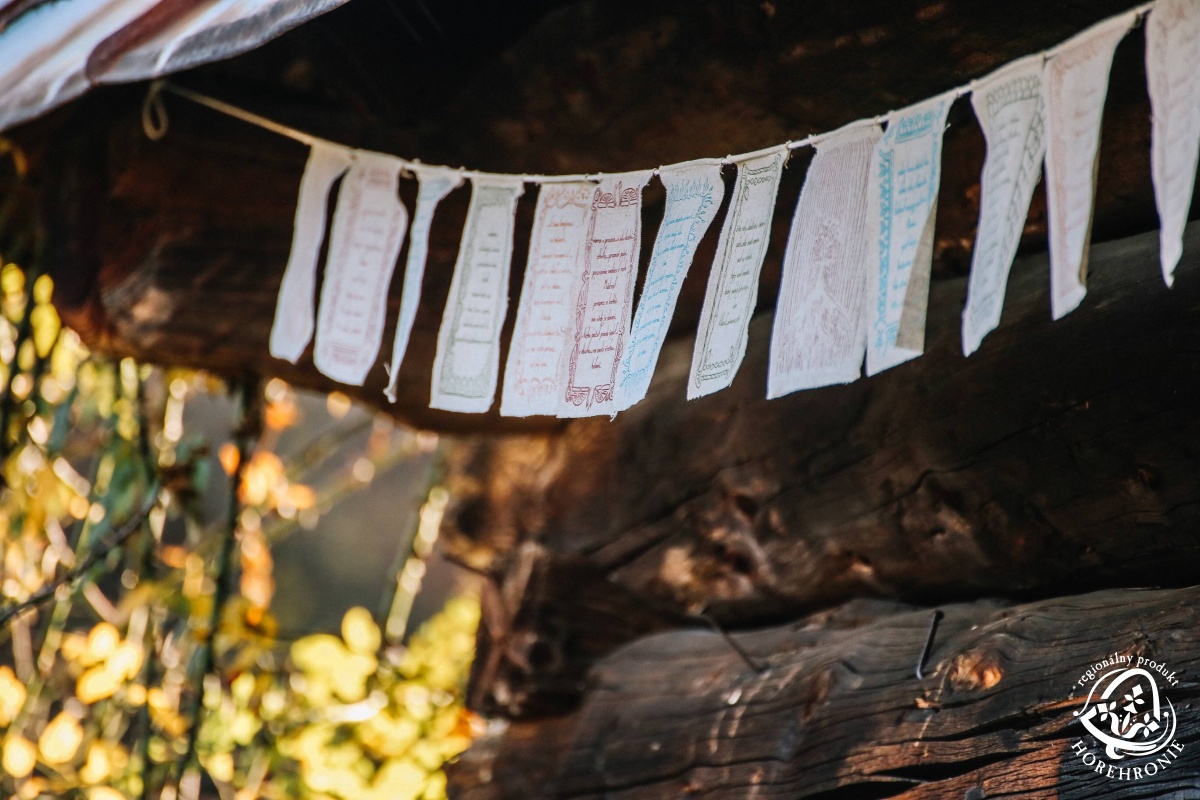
(118, 686)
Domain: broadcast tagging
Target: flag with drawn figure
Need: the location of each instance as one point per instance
(820, 329)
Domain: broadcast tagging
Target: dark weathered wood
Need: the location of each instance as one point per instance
(181, 243)
(1061, 456)
(545, 624)
(837, 712)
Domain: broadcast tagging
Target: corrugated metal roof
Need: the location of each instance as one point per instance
(52, 52)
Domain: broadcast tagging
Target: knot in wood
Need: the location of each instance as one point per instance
(977, 670)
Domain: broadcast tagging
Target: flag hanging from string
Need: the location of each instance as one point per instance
(733, 283)
(1173, 73)
(820, 334)
(368, 230)
(1076, 84)
(540, 337)
(1011, 109)
(694, 194)
(905, 173)
(434, 184)
(294, 320)
(856, 268)
(468, 346)
(601, 297)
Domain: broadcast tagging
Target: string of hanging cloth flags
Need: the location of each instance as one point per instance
(855, 277)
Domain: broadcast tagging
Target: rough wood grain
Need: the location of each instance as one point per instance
(1061, 456)
(837, 712)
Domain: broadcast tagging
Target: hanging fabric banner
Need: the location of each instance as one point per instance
(602, 297)
(368, 230)
(293, 326)
(694, 194)
(819, 336)
(435, 184)
(544, 314)
(1173, 72)
(1012, 113)
(1076, 82)
(468, 349)
(902, 204)
(732, 288)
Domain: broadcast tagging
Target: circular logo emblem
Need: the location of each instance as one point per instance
(1126, 713)
(1129, 715)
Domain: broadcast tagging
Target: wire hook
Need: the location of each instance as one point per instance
(933, 626)
(154, 112)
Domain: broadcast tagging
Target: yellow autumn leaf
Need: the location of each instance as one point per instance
(220, 766)
(399, 779)
(60, 739)
(12, 695)
(245, 727)
(242, 688)
(104, 793)
(126, 661)
(387, 735)
(160, 700)
(73, 645)
(135, 695)
(281, 414)
(35, 786)
(12, 279)
(97, 683)
(302, 497)
(360, 632)
(349, 680)
(260, 477)
(230, 457)
(337, 404)
(43, 289)
(19, 757)
(435, 787)
(98, 766)
(102, 642)
(44, 321)
(319, 653)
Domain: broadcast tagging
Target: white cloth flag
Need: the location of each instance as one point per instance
(901, 206)
(1173, 72)
(820, 331)
(1076, 82)
(694, 194)
(732, 289)
(293, 326)
(544, 314)
(368, 229)
(435, 184)
(1012, 112)
(468, 349)
(602, 297)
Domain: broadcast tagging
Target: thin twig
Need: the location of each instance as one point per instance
(97, 554)
(248, 431)
(395, 607)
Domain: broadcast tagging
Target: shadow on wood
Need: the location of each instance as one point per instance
(838, 713)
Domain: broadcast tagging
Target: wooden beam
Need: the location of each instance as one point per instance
(1061, 456)
(836, 711)
(178, 249)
